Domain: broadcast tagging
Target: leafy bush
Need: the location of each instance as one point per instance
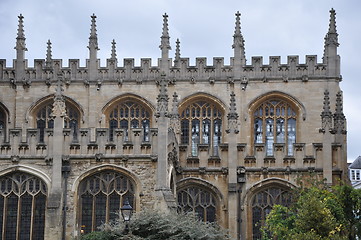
(155, 225)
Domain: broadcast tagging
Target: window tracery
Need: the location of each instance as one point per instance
(201, 123)
(101, 196)
(275, 122)
(45, 120)
(262, 204)
(128, 115)
(22, 206)
(199, 201)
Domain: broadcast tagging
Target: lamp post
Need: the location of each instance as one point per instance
(126, 211)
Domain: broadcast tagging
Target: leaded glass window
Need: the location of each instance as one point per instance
(201, 123)
(44, 120)
(262, 204)
(275, 122)
(128, 115)
(2, 119)
(22, 206)
(101, 197)
(199, 201)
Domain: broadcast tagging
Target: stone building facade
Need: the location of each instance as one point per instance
(224, 141)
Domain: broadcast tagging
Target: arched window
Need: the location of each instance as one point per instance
(127, 115)
(101, 196)
(275, 122)
(44, 120)
(199, 201)
(22, 206)
(201, 123)
(262, 203)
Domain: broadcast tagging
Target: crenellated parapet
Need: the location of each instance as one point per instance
(178, 69)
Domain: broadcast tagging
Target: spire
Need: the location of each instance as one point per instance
(20, 40)
(93, 39)
(238, 42)
(177, 54)
(114, 52)
(162, 99)
(232, 115)
(330, 56)
(339, 119)
(48, 55)
(326, 115)
(164, 44)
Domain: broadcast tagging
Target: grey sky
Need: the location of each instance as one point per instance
(204, 27)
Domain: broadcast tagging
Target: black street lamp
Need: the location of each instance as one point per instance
(126, 212)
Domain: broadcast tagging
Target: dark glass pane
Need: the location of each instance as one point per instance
(211, 214)
(114, 206)
(200, 213)
(113, 124)
(51, 123)
(185, 131)
(11, 217)
(86, 213)
(258, 134)
(39, 217)
(206, 137)
(100, 210)
(256, 222)
(25, 216)
(41, 127)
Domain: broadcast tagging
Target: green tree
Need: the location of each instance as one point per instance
(318, 213)
(155, 225)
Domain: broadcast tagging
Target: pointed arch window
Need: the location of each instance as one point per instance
(128, 115)
(262, 204)
(101, 196)
(45, 120)
(275, 122)
(22, 206)
(201, 123)
(198, 201)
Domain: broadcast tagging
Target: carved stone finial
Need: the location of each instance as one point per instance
(48, 55)
(174, 115)
(114, 53)
(238, 41)
(59, 108)
(162, 99)
(177, 54)
(20, 39)
(232, 115)
(326, 115)
(164, 44)
(331, 38)
(339, 119)
(93, 39)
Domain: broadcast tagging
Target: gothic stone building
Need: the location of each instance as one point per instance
(224, 141)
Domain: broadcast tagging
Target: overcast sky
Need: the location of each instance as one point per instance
(204, 27)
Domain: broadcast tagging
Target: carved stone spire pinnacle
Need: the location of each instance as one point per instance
(20, 40)
(93, 39)
(162, 99)
(48, 55)
(339, 119)
(59, 108)
(177, 54)
(331, 39)
(238, 41)
(232, 115)
(174, 115)
(164, 43)
(326, 114)
(114, 52)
